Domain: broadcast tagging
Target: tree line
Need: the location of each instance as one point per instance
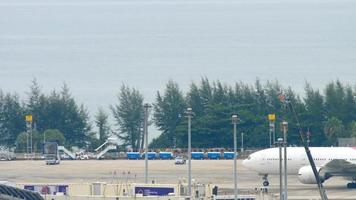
(327, 114)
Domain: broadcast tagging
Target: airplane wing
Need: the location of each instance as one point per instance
(339, 167)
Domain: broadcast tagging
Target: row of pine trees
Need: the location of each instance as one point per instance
(328, 113)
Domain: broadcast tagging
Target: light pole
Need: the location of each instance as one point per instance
(145, 130)
(235, 120)
(280, 143)
(190, 116)
(44, 137)
(28, 119)
(242, 142)
(285, 129)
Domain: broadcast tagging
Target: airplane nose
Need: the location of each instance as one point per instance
(245, 163)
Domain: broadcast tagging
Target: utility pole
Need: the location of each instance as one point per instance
(44, 135)
(272, 137)
(28, 119)
(235, 120)
(242, 141)
(280, 143)
(189, 116)
(145, 130)
(285, 129)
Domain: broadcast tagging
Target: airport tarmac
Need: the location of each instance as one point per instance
(216, 172)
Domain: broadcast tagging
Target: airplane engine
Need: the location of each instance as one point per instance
(306, 175)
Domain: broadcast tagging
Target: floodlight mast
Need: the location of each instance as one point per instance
(189, 114)
(235, 120)
(289, 105)
(145, 129)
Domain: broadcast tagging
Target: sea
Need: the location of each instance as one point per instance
(95, 46)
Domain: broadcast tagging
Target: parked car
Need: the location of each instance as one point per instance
(179, 160)
(7, 155)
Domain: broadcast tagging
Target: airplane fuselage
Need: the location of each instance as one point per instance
(267, 161)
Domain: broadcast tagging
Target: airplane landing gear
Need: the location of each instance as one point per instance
(265, 180)
(351, 185)
(265, 183)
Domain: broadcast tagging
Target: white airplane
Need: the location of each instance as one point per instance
(329, 161)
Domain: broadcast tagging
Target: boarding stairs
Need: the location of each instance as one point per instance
(105, 147)
(66, 151)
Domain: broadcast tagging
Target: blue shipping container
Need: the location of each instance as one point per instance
(133, 155)
(214, 155)
(198, 155)
(165, 155)
(150, 155)
(229, 155)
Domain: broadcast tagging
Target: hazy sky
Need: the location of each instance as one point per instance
(96, 45)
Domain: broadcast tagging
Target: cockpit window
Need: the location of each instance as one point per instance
(249, 158)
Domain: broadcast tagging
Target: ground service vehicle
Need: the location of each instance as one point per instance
(51, 153)
(179, 160)
(6, 154)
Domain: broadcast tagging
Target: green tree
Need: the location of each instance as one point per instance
(272, 91)
(54, 135)
(64, 114)
(74, 119)
(334, 129)
(12, 119)
(219, 93)
(261, 99)
(289, 116)
(36, 105)
(334, 100)
(213, 129)
(168, 111)
(21, 141)
(129, 114)
(102, 123)
(206, 92)
(195, 100)
(349, 111)
(352, 129)
(314, 116)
